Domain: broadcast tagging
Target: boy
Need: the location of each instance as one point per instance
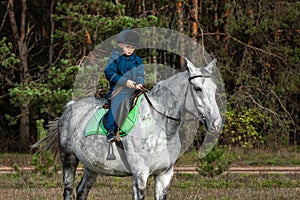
(125, 73)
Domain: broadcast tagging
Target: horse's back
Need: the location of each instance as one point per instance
(75, 117)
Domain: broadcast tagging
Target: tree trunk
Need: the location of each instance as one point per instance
(52, 26)
(22, 47)
(216, 19)
(154, 52)
(195, 21)
(119, 10)
(227, 38)
(179, 7)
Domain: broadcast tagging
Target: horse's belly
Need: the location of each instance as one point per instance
(152, 154)
(93, 150)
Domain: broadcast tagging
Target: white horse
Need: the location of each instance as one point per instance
(152, 146)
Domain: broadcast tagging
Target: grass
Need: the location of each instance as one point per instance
(24, 185)
(184, 187)
(283, 156)
(10, 159)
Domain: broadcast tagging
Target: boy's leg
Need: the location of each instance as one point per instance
(111, 125)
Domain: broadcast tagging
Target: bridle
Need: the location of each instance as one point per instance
(198, 76)
(202, 117)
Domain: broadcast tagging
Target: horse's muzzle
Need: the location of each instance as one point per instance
(214, 126)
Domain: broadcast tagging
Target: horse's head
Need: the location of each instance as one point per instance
(203, 92)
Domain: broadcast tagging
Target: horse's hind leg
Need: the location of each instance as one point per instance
(85, 184)
(69, 164)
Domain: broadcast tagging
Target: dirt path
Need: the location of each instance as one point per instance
(248, 170)
(192, 170)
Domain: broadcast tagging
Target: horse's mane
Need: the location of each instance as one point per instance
(170, 82)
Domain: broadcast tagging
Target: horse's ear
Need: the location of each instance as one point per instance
(211, 65)
(192, 69)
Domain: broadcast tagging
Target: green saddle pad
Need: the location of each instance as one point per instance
(95, 125)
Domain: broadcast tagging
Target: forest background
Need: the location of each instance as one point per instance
(257, 44)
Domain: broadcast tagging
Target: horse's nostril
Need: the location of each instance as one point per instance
(217, 124)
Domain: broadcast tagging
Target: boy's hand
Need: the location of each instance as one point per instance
(139, 86)
(133, 85)
(130, 84)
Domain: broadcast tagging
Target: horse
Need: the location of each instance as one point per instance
(152, 146)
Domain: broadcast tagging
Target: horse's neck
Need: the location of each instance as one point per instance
(169, 94)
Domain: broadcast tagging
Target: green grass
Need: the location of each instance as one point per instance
(183, 187)
(9, 159)
(283, 156)
(24, 185)
(28, 186)
(289, 156)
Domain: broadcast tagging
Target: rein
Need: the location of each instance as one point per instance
(115, 92)
(159, 112)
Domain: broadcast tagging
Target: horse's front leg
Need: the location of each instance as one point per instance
(162, 183)
(139, 182)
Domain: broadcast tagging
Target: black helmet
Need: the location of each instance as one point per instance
(129, 37)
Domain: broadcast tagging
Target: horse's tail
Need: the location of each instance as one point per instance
(51, 141)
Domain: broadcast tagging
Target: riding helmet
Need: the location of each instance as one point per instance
(129, 37)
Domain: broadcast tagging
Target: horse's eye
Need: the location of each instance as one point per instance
(198, 89)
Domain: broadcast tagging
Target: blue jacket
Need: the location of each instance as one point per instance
(120, 68)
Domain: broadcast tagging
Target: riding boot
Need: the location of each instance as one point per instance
(112, 137)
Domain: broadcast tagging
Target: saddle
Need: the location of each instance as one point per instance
(128, 113)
